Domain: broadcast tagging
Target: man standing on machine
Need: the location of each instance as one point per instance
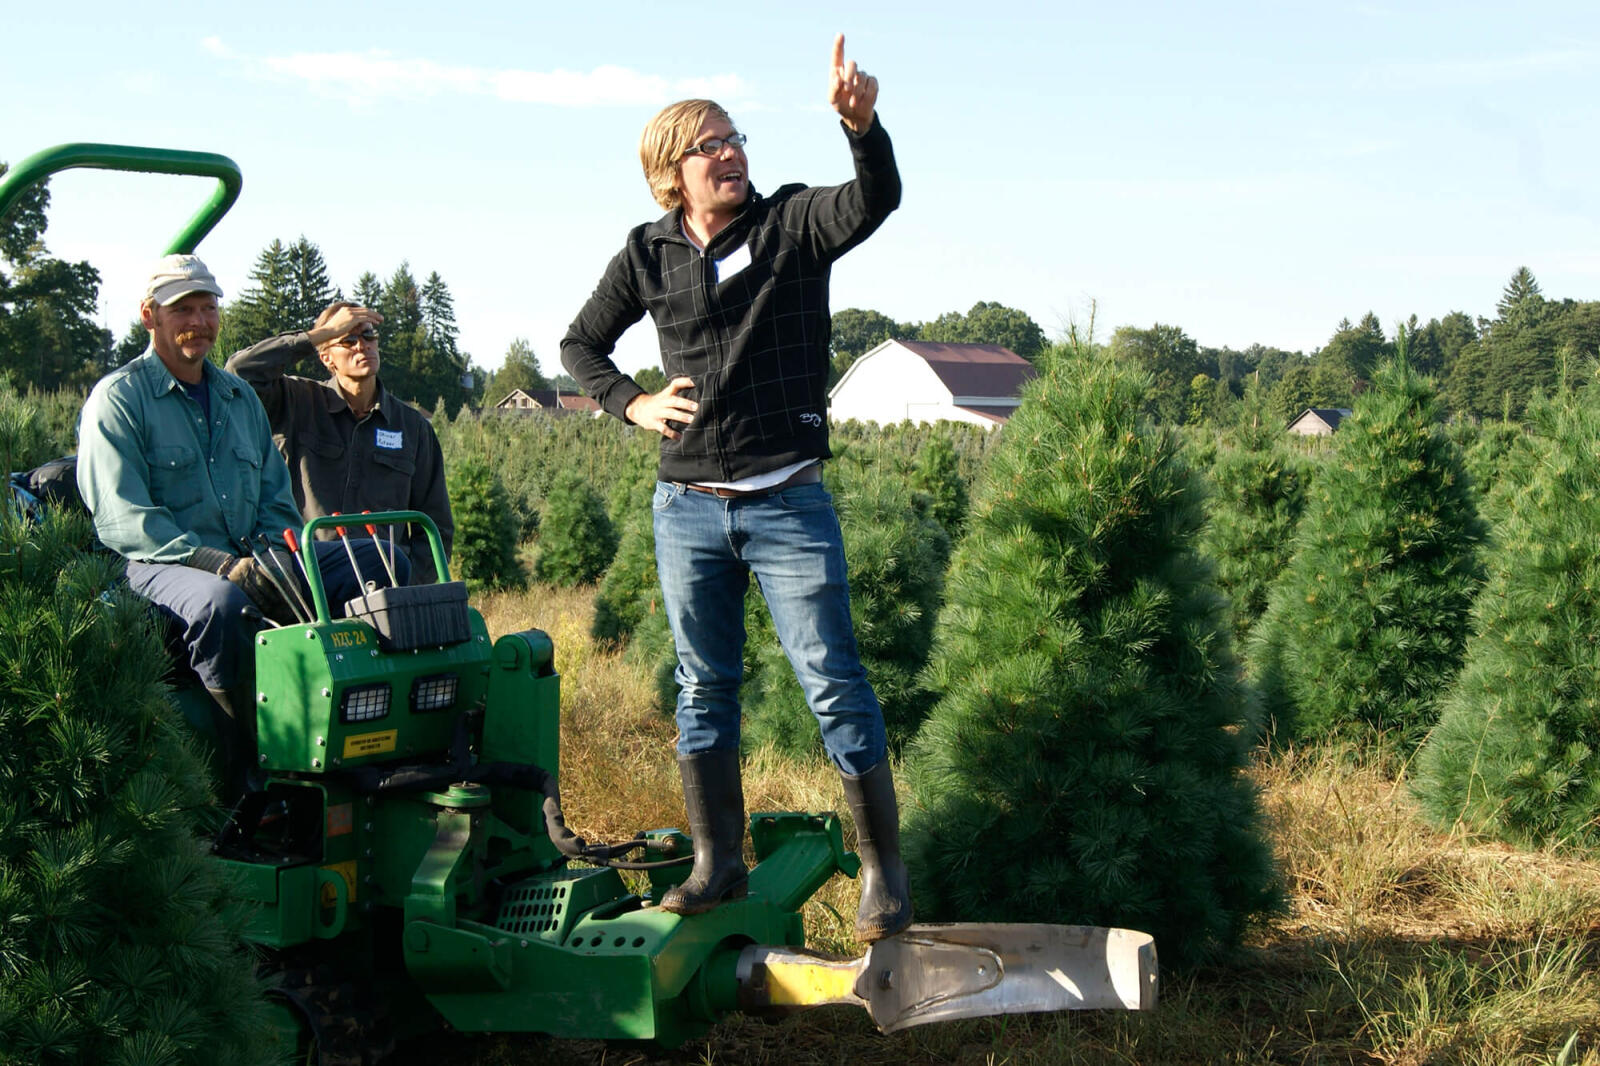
(351, 445)
(737, 285)
(177, 466)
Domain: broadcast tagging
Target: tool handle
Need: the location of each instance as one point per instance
(394, 518)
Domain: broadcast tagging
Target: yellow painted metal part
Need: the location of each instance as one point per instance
(798, 982)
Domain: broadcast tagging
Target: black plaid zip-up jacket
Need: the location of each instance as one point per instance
(755, 345)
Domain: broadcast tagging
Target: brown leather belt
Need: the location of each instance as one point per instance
(806, 475)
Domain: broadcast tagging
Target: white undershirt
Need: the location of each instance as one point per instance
(760, 481)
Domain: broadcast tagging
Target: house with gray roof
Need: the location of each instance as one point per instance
(550, 401)
(925, 381)
(1319, 421)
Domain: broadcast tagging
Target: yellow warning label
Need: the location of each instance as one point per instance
(346, 870)
(359, 745)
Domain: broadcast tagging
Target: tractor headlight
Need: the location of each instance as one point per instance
(434, 693)
(364, 703)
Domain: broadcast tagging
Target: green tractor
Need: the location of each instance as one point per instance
(410, 864)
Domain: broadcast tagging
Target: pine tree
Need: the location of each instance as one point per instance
(937, 474)
(264, 308)
(630, 590)
(1350, 357)
(1486, 447)
(576, 539)
(1515, 753)
(1366, 625)
(133, 344)
(439, 318)
(1258, 492)
(119, 938)
(442, 376)
(288, 288)
(405, 348)
(309, 288)
(896, 555)
(1522, 304)
(485, 548)
(369, 290)
(401, 303)
(1084, 763)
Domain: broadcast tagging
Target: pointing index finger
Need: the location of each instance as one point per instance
(838, 51)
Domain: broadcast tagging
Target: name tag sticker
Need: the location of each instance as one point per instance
(733, 262)
(389, 438)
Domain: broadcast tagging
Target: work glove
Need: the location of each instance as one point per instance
(254, 580)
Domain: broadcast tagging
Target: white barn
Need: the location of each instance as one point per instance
(924, 381)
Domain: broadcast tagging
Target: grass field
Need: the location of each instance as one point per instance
(1402, 946)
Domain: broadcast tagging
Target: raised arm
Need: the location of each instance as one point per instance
(264, 364)
(851, 92)
(832, 220)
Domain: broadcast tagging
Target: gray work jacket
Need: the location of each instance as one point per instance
(388, 461)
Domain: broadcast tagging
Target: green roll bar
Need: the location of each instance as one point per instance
(41, 165)
(308, 551)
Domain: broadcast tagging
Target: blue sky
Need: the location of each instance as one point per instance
(1248, 172)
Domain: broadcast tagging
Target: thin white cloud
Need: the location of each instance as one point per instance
(365, 78)
(1491, 70)
(1361, 149)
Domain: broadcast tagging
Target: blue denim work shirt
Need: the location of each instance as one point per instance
(161, 482)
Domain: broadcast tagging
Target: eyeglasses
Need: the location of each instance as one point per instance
(715, 145)
(354, 340)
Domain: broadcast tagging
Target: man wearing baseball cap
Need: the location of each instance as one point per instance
(177, 464)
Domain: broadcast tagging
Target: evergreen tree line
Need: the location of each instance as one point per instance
(1434, 597)
(49, 339)
(1486, 368)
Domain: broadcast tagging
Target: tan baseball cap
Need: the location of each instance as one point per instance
(176, 276)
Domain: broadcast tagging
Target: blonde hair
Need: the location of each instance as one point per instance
(666, 137)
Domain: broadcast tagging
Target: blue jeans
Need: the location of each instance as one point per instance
(215, 620)
(706, 550)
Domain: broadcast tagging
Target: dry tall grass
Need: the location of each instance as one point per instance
(1403, 946)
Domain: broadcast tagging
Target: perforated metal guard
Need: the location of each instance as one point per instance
(534, 908)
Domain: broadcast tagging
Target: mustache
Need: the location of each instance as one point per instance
(189, 335)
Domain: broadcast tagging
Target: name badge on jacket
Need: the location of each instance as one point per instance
(732, 263)
(389, 438)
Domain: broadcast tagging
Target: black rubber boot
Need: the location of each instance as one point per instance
(715, 800)
(885, 887)
(235, 725)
